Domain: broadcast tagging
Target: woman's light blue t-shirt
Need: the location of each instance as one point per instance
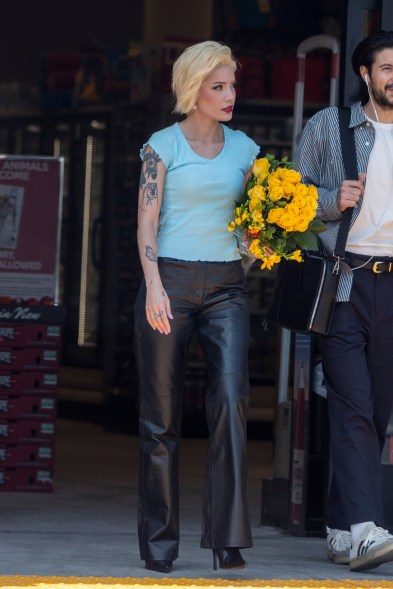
(200, 195)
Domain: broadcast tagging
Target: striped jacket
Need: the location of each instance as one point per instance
(318, 158)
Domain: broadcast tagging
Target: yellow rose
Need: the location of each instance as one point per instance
(293, 209)
(286, 221)
(308, 212)
(288, 188)
(312, 204)
(301, 223)
(275, 214)
(301, 190)
(257, 192)
(261, 167)
(292, 176)
(274, 180)
(312, 192)
(279, 173)
(299, 201)
(275, 193)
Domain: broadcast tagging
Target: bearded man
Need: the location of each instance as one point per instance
(357, 355)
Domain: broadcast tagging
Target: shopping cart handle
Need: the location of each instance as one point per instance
(318, 42)
(310, 44)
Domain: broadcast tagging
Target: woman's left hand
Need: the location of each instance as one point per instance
(158, 309)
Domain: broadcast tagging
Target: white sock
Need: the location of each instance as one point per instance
(357, 531)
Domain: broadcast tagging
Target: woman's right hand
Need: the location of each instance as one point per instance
(158, 308)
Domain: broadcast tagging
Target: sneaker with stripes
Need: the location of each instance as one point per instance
(339, 543)
(374, 548)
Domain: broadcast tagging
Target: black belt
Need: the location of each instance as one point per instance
(383, 264)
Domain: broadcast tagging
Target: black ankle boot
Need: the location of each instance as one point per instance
(228, 558)
(160, 566)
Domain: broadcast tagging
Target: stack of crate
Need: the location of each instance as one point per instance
(29, 365)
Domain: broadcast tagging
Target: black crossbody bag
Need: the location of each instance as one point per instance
(305, 293)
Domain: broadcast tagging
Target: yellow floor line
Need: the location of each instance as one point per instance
(20, 582)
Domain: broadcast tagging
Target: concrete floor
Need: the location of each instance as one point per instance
(87, 527)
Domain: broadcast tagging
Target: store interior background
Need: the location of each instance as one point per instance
(48, 108)
(89, 82)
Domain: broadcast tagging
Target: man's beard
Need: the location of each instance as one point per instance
(380, 97)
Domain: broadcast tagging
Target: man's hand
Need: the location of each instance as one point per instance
(350, 192)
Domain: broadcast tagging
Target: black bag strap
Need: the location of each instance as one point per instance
(348, 149)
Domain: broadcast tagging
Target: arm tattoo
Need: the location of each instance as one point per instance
(149, 253)
(148, 175)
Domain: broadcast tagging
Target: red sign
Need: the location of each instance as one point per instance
(30, 208)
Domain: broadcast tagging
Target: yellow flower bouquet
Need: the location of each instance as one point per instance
(276, 216)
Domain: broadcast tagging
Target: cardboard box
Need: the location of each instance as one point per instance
(28, 383)
(26, 479)
(26, 455)
(30, 334)
(23, 431)
(29, 407)
(29, 358)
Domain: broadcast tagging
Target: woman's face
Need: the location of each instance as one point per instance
(217, 95)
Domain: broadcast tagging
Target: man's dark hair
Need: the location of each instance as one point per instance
(364, 54)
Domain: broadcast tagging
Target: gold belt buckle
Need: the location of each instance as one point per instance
(376, 264)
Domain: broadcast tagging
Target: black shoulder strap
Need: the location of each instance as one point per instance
(348, 149)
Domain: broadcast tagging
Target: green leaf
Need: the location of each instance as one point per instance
(306, 240)
(291, 243)
(317, 226)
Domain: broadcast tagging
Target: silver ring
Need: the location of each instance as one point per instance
(156, 315)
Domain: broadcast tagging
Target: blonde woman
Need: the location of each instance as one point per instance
(194, 283)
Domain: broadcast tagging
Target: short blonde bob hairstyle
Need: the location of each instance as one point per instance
(191, 69)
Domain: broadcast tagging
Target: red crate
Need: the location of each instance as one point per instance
(23, 431)
(26, 479)
(30, 407)
(22, 455)
(30, 334)
(284, 73)
(28, 383)
(29, 358)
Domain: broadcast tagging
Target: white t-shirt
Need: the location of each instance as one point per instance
(372, 231)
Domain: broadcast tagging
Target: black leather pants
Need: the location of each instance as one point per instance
(211, 300)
